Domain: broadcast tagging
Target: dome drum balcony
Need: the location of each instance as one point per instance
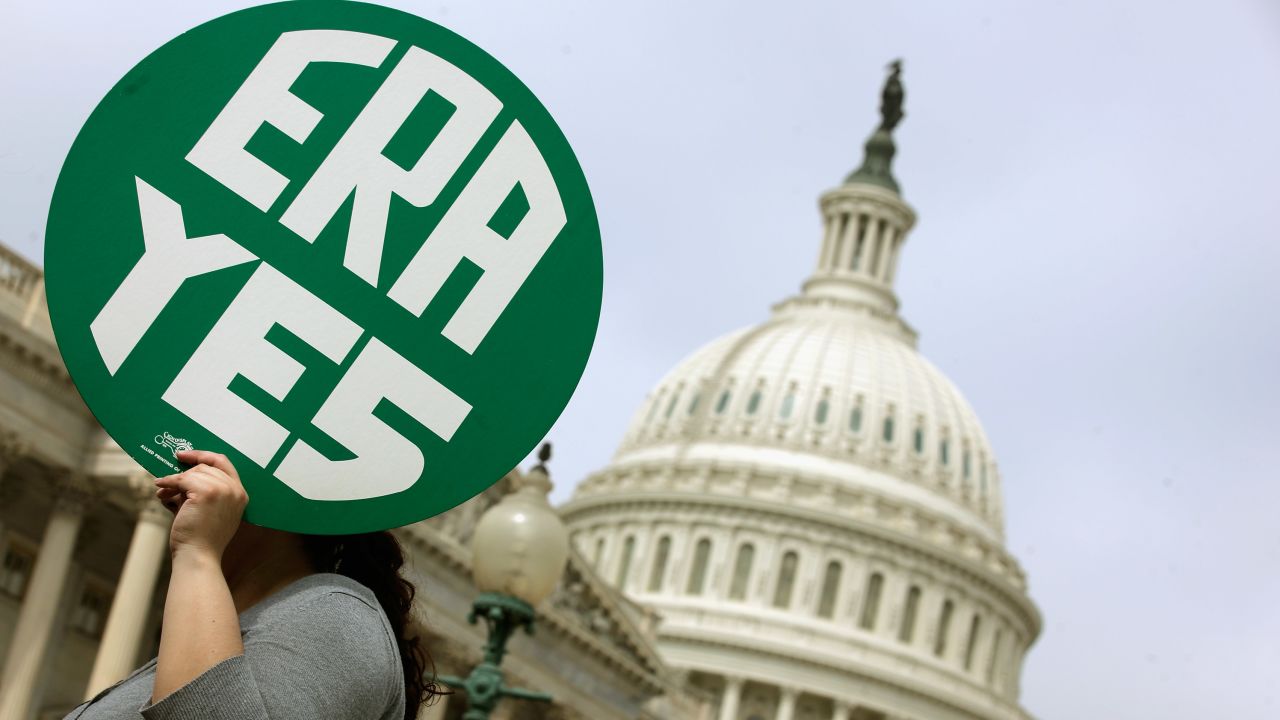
(721, 610)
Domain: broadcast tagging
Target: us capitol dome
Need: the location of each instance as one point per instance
(813, 509)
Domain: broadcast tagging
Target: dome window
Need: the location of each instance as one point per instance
(693, 404)
(912, 606)
(671, 406)
(964, 461)
(788, 404)
(599, 553)
(871, 602)
(975, 627)
(653, 408)
(944, 454)
(917, 441)
(742, 572)
(624, 567)
(698, 573)
(722, 403)
(944, 628)
(786, 581)
(888, 429)
(659, 564)
(753, 403)
(855, 418)
(830, 589)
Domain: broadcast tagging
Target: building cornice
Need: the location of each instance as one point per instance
(584, 510)
(36, 360)
(846, 480)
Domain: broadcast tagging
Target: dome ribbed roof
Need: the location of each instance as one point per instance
(841, 396)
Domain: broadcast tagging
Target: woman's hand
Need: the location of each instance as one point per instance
(208, 502)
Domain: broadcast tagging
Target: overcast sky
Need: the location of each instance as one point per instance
(1095, 263)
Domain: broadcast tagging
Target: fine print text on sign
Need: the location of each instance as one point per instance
(336, 242)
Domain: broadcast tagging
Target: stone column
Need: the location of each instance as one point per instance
(861, 235)
(826, 261)
(895, 250)
(126, 622)
(871, 246)
(12, 447)
(39, 609)
(849, 238)
(840, 711)
(787, 705)
(731, 698)
(886, 251)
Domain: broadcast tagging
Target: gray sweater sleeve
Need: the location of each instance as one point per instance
(331, 658)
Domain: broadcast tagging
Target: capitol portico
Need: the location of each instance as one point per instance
(813, 509)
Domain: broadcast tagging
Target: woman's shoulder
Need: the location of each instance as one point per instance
(330, 619)
(319, 585)
(317, 600)
(307, 589)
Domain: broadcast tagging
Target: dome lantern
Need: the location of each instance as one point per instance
(865, 223)
(877, 160)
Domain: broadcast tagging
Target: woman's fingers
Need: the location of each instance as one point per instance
(212, 459)
(188, 482)
(203, 480)
(168, 493)
(171, 498)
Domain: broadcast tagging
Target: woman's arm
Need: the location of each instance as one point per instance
(330, 658)
(201, 628)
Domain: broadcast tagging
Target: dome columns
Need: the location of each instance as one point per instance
(864, 230)
(731, 699)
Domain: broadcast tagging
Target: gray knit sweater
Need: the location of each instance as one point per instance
(319, 648)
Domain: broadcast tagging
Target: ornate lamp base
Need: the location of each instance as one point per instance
(502, 615)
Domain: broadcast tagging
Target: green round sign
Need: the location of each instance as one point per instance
(338, 243)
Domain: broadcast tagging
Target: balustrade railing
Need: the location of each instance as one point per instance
(21, 286)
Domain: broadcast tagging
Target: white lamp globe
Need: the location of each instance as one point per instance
(520, 545)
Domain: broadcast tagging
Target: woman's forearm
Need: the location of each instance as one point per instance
(201, 627)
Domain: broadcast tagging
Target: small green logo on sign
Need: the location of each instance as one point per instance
(336, 242)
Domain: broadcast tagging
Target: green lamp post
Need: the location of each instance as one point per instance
(518, 553)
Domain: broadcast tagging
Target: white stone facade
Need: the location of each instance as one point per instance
(814, 510)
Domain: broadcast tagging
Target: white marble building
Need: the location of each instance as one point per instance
(814, 510)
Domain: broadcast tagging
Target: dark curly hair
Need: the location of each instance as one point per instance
(374, 560)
